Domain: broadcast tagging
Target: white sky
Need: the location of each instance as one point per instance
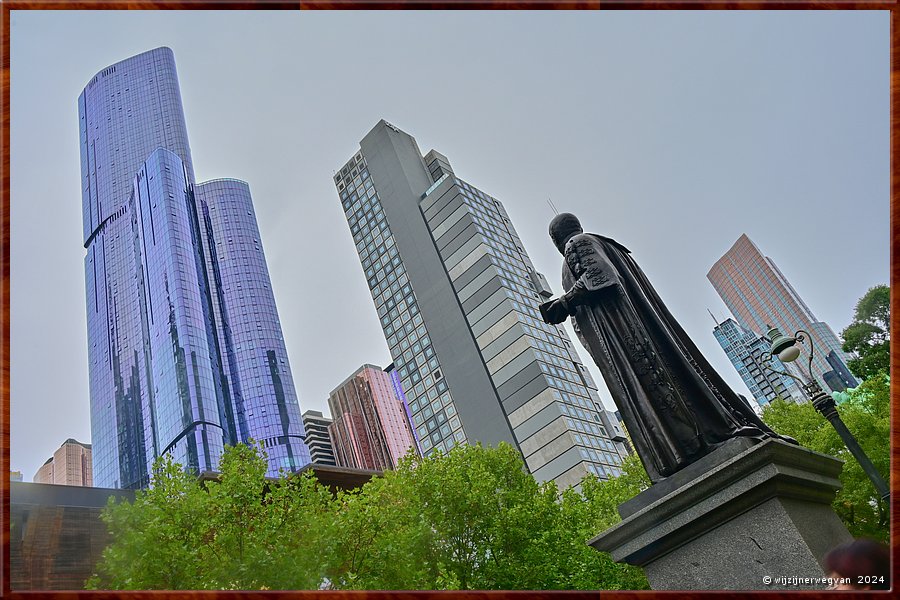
(671, 132)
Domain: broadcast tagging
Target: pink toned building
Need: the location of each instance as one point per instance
(70, 465)
(758, 295)
(370, 428)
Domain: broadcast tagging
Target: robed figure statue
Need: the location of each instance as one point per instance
(675, 406)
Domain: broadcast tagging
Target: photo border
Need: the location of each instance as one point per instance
(7, 6)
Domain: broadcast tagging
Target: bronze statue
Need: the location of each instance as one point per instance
(675, 406)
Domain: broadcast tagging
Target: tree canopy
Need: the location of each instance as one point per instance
(470, 519)
(868, 337)
(867, 415)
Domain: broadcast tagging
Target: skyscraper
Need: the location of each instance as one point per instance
(254, 359)
(69, 465)
(743, 349)
(758, 295)
(184, 343)
(317, 439)
(370, 428)
(458, 301)
(391, 371)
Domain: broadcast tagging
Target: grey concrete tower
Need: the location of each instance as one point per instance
(458, 301)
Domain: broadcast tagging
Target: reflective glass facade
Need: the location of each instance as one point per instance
(185, 393)
(458, 300)
(161, 375)
(125, 112)
(758, 295)
(370, 428)
(743, 349)
(391, 370)
(262, 396)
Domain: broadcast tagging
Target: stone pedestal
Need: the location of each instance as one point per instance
(743, 513)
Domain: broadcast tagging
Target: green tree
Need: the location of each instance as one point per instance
(471, 519)
(593, 510)
(381, 538)
(867, 415)
(604, 497)
(156, 537)
(868, 337)
(475, 519)
(241, 532)
(265, 534)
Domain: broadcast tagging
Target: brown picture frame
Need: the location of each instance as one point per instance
(7, 6)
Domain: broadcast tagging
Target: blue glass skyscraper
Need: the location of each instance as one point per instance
(185, 347)
(745, 350)
(253, 356)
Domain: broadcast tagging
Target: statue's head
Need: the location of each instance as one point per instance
(562, 228)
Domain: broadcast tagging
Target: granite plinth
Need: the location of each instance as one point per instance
(726, 451)
(762, 512)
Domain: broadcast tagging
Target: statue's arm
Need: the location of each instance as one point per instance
(594, 274)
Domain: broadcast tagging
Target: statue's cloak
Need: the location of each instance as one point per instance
(674, 405)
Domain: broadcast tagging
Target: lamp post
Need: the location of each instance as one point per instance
(786, 349)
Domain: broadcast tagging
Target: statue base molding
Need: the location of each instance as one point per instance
(743, 513)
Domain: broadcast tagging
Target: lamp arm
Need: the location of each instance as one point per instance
(765, 359)
(812, 348)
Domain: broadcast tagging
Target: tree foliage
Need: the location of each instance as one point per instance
(470, 519)
(231, 534)
(868, 337)
(867, 415)
(475, 519)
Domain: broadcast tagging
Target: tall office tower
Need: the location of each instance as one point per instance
(758, 295)
(252, 353)
(317, 439)
(370, 428)
(458, 301)
(615, 430)
(840, 377)
(69, 465)
(184, 345)
(15, 476)
(743, 349)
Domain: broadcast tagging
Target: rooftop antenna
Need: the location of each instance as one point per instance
(550, 202)
(713, 317)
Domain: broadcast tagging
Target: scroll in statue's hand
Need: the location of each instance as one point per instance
(553, 312)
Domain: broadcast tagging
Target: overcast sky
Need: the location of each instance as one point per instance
(671, 132)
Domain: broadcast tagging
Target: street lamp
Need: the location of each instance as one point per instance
(786, 349)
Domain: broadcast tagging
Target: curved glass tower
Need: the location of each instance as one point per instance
(184, 344)
(125, 112)
(251, 347)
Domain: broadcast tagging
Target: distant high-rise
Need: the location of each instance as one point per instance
(758, 295)
(391, 370)
(318, 441)
(69, 465)
(458, 301)
(743, 349)
(15, 476)
(185, 348)
(370, 428)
